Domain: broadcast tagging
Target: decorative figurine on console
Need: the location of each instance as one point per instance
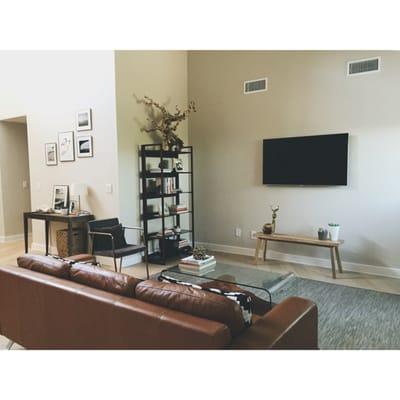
(270, 228)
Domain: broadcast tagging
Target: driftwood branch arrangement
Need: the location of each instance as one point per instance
(168, 123)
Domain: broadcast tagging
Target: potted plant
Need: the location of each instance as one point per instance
(334, 231)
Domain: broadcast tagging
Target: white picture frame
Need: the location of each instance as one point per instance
(84, 146)
(84, 120)
(60, 197)
(51, 153)
(66, 146)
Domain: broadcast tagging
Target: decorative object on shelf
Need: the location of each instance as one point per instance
(78, 190)
(167, 123)
(164, 165)
(177, 229)
(267, 228)
(151, 210)
(274, 209)
(200, 253)
(179, 165)
(84, 146)
(152, 187)
(323, 234)
(73, 207)
(60, 198)
(84, 120)
(51, 153)
(334, 231)
(166, 209)
(66, 146)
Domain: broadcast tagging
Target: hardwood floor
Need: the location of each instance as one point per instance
(10, 251)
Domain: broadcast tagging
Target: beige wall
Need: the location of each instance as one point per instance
(161, 75)
(309, 93)
(49, 87)
(14, 170)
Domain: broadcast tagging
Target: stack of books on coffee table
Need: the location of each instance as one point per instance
(190, 264)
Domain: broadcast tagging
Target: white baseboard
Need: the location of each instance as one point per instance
(298, 259)
(11, 238)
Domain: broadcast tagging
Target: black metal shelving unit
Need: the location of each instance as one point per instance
(163, 254)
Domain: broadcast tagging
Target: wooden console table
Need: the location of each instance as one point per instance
(274, 237)
(70, 220)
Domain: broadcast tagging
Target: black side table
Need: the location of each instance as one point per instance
(70, 220)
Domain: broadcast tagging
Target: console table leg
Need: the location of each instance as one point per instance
(338, 260)
(26, 233)
(333, 263)
(69, 240)
(265, 250)
(47, 229)
(258, 245)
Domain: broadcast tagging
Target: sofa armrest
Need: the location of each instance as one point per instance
(292, 324)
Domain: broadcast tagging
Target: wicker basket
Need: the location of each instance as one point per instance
(78, 242)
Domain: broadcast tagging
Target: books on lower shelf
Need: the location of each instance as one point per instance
(178, 208)
(183, 243)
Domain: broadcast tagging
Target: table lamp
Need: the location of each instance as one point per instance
(78, 190)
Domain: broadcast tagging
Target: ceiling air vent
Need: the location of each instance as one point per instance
(258, 85)
(366, 66)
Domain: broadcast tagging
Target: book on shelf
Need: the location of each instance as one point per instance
(183, 243)
(192, 261)
(178, 208)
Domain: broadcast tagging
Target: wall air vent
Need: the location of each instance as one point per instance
(255, 86)
(366, 66)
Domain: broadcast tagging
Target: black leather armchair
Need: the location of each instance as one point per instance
(109, 247)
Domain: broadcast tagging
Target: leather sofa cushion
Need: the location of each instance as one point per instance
(193, 301)
(45, 265)
(103, 279)
(88, 258)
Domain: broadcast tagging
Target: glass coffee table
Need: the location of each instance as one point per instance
(258, 281)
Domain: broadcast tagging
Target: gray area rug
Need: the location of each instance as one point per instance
(348, 318)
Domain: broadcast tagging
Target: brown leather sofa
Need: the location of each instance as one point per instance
(49, 304)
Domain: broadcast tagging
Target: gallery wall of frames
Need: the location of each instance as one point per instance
(70, 143)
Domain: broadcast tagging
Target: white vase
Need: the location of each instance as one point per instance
(334, 232)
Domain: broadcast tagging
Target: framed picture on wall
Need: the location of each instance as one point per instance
(51, 153)
(60, 197)
(84, 145)
(66, 146)
(84, 120)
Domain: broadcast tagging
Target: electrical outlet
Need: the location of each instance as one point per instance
(238, 232)
(109, 188)
(253, 235)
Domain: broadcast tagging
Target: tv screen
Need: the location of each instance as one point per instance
(306, 160)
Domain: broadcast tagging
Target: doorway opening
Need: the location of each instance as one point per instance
(15, 195)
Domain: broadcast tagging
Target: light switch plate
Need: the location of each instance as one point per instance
(109, 188)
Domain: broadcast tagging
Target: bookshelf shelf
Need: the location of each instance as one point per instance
(169, 245)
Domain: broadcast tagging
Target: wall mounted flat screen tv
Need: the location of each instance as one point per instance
(306, 160)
